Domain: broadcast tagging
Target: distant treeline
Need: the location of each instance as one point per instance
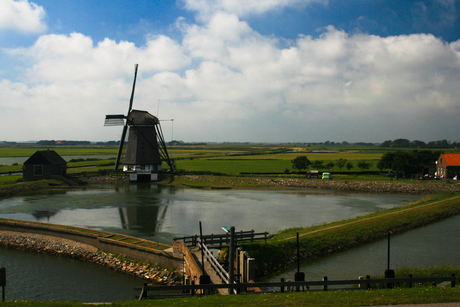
(420, 144)
(65, 142)
(182, 143)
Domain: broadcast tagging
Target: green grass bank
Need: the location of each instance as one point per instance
(348, 298)
(316, 241)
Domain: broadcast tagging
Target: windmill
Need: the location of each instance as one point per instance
(146, 148)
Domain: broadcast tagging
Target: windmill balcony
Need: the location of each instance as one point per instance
(147, 169)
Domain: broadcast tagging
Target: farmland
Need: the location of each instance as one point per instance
(228, 159)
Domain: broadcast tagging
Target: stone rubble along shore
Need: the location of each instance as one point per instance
(350, 186)
(87, 253)
(363, 186)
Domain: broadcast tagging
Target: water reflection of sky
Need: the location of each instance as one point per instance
(161, 213)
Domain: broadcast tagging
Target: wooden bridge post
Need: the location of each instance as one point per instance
(238, 263)
(251, 269)
(231, 259)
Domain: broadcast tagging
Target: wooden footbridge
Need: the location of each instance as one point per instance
(202, 267)
(207, 275)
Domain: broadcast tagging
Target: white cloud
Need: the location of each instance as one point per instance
(75, 58)
(226, 82)
(22, 16)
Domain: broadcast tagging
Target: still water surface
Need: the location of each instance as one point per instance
(159, 213)
(436, 244)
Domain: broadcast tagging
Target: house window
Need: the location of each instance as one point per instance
(38, 170)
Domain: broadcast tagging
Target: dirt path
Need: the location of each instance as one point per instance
(367, 218)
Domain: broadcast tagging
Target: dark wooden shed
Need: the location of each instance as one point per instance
(43, 165)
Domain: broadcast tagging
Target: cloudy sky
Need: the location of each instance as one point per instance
(232, 70)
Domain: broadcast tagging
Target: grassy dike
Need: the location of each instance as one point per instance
(422, 295)
(316, 241)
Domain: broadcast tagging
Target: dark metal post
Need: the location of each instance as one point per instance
(388, 254)
(368, 284)
(282, 286)
(3, 282)
(452, 283)
(389, 273)
(410, 282)
(299, 276)
(298, 254)
(231, 258)
(325, 285)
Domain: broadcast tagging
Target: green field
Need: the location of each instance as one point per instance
(222, 158)
(27, 151)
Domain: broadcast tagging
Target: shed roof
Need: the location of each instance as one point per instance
(45, 157)
(451, 158)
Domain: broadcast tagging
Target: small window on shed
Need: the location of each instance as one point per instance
(38, 170)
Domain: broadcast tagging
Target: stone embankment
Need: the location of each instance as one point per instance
(71, 249)
(104, 179)
(394, 186)
(363, 186)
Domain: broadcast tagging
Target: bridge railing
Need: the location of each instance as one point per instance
(214, 263)
(222, 239)
(286, 286)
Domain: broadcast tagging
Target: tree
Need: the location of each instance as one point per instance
(300, 163)
(407, 161)
(363, 165)
(386, 161)
(318, 164)
(340, 163)
(330, 165)
(349, 166)
(401, 143)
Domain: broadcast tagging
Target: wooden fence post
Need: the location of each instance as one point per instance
(325, 286)
(282, 286)
(3, 282)
(231, 259)
(452, 283)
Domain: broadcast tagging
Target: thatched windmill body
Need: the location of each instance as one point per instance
(146, 148)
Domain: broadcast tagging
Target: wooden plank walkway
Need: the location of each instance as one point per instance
(215, 279)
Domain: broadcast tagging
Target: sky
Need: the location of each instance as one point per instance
(232, 70)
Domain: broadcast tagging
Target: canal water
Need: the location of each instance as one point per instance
(437, 244)
(161, 213)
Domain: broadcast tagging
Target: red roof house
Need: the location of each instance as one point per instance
(448, 165)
